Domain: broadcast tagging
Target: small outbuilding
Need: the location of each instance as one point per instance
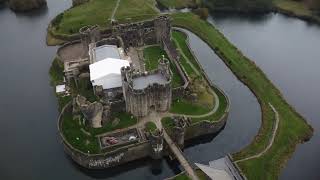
(61, 89)
(106, 73)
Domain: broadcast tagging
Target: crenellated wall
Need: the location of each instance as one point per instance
(157, 96)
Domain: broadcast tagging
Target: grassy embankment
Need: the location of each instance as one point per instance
(191, 107)
(179, 4)
(296, 8)
(292, 129)
(99, 12)
(79, 135)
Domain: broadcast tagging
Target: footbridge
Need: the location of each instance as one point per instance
(179, 155)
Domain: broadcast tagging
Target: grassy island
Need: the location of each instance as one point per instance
(292, 129)
(100, 12)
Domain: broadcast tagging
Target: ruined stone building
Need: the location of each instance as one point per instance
(139, 92)
(147, 91)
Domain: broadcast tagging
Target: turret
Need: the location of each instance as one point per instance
(162, 26)
(164, 67)
(88, 35)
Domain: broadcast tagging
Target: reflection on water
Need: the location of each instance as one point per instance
(287, 50)
(28, 108)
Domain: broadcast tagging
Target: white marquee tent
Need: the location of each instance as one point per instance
(106, 73)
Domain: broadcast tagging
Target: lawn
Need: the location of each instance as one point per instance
(183, 106)
(198, 84)
(56, 72)
(99, 12)
(151, 56)
(181, 38)
(292, 130)
(136, 10)
(91, 13)
(223, 103)
(150, 126)
(85, 142)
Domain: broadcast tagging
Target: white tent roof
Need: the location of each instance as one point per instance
(107, 72)
(60, 88)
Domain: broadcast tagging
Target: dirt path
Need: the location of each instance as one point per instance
(275, 128)
(114, 11)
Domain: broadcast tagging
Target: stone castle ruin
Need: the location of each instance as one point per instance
(139, 92)
(148, 91)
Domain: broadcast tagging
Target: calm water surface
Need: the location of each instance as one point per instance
(287, 49)
(31, 148)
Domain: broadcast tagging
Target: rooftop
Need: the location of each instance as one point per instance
(143, 81)
(106, 51)
(107, 72)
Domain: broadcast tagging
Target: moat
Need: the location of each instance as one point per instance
(49, 158)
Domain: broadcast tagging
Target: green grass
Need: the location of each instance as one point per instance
(179, 4)
(99, 12)
(150, 126)
(183, 106)
(56, 72)
(198, 84)
(78, 139)
(292, 130)
(135, 10)
(220, 111)
(151, 56)
(167, 122)
(181, 39)
(91, 13)
(298, 8)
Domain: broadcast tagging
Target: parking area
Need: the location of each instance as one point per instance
(120, 138)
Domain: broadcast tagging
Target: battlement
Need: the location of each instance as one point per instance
(144, 91)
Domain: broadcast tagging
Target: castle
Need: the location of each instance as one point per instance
(147, 91)
(131, 87)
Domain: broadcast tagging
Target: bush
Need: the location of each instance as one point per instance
(203, 13)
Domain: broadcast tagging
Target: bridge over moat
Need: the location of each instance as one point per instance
(179, 155)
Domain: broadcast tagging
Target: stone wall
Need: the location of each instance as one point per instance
(143, 33)
(139, 102)
(153, 147)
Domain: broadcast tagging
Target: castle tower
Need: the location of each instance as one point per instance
(179, 130)
(164, 67)
(156, 143)
(162, 27)
(88, 35)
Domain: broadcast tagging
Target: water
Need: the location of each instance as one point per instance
(31, 147)
(287, 50)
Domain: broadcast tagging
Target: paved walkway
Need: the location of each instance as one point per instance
(179, 155)
(275, 128)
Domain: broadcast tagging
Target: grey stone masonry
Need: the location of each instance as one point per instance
(154, 94)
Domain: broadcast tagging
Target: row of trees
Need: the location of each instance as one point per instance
(314, 5)
(240, 5)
